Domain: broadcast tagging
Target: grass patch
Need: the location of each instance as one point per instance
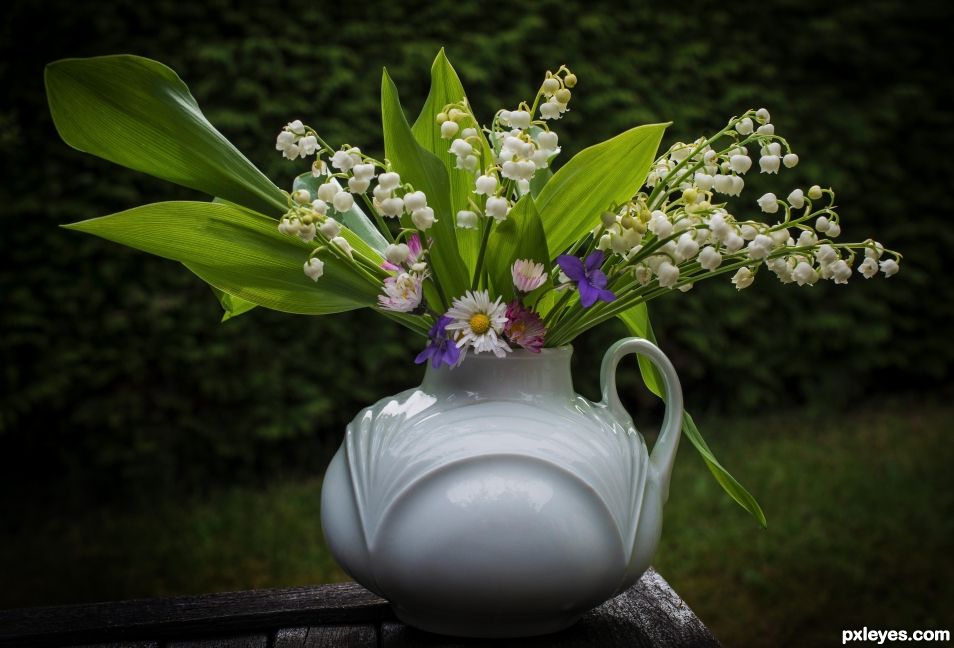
(861, 516)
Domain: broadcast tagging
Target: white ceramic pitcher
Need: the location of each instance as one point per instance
(493, 501)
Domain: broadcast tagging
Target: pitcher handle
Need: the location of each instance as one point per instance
(664, 452)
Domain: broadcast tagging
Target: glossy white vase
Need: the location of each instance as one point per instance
(493, 501)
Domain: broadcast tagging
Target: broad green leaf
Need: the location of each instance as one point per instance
(240, 253)
(138, 113)
(233, 306)
(637, 321)
(446, 88)
(354, 219)
(426, 173)
(540, 180)
(519, 237)
(595, 179)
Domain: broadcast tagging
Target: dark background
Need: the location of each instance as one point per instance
(120, 387)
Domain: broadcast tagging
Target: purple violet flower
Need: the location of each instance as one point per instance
(587, 276)
(440, 348)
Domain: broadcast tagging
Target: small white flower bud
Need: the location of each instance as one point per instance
(668, 274)
(449, 129)
(760, 247)
(796, 199)
(328, 191)
(743, 278)
(363, 171)
(834, 230)
(330, 228)
(461, 148)
(763, 116)
(392, 207)
(520, 119)
(389, 181)
(804, 274)
(415, 200)
(722, 183)
(486, 185)
(875, 251)
(806, 239)
(740, 163)
(660, 225)
(468, 162)
(548, 140)
(774, 149)
(550, 86)
(301, 196)
(342, 244)
(497, 207)
(357, 185)
(868, 268)
(822, 224)
(790, 160)
(307, 232)
(423, 218)
(343, 201)
(769, 203)
(308, 145)
(342, 160)
(769, 163)
(766, 130)
(733, 243)
(889, 267)
(320, 206)
(686, 246)
(419, 267)
(709, 258)
(748, 231)
(314, 268)
(840, 272)
(815, 192)
(703, 181)
(380, 193)
(466, 219)
(397, 253)
(825, 255)
(744, 127)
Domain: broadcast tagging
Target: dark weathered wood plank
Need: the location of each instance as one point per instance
(329, 636)
(648, 615)
(186, 616)
(122, 644)
(244, 641)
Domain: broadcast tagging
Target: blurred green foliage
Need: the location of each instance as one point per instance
(116, 373)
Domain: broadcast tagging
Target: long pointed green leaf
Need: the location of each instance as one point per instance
(138, 113)
(519, 237)
(239, 252)
(426, 173)
(637, 321)
(233, 306)
(595, 179)
(446, 88)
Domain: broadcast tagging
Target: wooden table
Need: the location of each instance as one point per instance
(648, 614)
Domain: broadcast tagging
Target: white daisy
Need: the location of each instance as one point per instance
(479, 322)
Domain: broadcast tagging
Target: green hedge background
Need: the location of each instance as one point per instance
(119, 382)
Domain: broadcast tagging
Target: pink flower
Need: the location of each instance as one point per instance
(402, 293)
(524, 327)
(527, 275)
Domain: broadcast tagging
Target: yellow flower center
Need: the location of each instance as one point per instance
(479, 323)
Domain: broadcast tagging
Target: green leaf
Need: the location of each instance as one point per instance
(233, 306)
(426, 173)
(354, 219)
(238, 252)
(519, 237)
(446, 88)
(598, 177)
(540, 180)
(637, 321)
(138, 113)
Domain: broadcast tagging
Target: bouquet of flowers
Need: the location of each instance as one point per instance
(462, 233)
